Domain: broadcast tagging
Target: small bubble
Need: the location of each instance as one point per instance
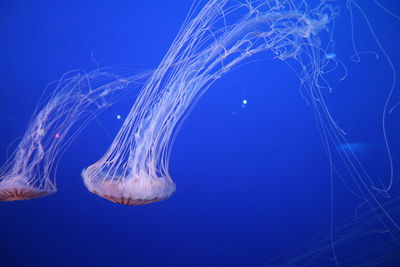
(244, 101)
(118, 117)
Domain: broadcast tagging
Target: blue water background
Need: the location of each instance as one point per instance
(252, 181)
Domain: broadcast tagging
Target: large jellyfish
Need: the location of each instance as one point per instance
(78, 96)
(134, 170)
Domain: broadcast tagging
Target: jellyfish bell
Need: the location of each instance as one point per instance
(137, 189)
(18, 187)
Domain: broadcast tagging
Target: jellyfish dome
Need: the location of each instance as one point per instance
(138, 189)
(19, 188)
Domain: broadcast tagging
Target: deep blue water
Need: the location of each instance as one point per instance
(252, 181)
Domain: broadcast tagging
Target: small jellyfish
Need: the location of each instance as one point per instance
(30, 171)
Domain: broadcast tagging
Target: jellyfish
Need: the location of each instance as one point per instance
(78, 97)
(134, 170)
